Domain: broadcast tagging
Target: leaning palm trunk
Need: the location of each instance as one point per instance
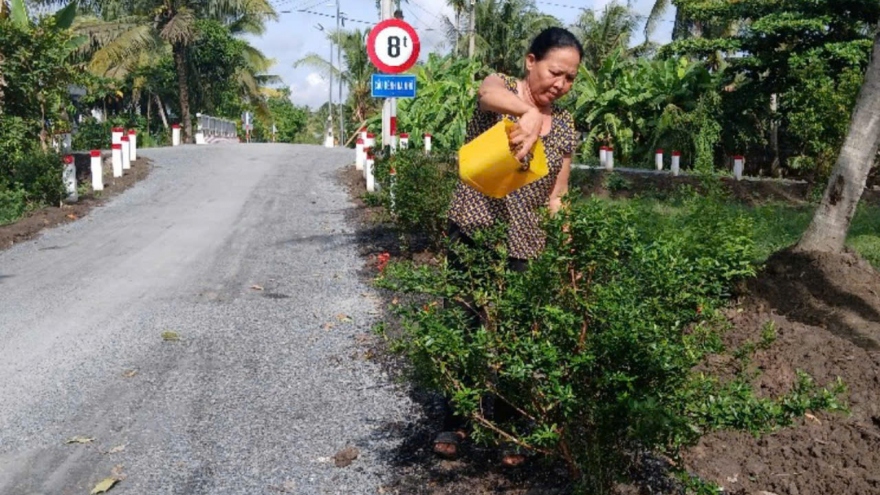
(161, 111)
(183, 88)
(827, 232)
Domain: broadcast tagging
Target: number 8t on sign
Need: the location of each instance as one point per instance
(393, 46)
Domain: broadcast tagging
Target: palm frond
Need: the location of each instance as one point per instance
(257, 60)
(319, 63)
(660, 7)
(117, 57)
(181, 28)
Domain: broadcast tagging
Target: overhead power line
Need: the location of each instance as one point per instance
(420, 21)
(332, 16)
(595, 11)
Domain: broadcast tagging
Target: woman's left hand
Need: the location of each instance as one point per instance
(525, 133)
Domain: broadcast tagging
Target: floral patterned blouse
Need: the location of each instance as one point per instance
(471, 210)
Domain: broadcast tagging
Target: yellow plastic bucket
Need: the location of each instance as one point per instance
(487, 164)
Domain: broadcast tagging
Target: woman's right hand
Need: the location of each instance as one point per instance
(525, 133)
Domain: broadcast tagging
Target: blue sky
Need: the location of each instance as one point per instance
(295, 34)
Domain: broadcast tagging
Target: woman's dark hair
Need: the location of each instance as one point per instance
(553, 38)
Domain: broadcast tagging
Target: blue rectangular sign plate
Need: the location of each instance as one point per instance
(393, 86)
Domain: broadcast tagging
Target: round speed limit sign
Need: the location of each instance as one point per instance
(393, 46)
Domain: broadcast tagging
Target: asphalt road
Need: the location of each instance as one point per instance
(263, 387)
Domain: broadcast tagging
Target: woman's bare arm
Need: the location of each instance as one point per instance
(560, 189)
(495, 97)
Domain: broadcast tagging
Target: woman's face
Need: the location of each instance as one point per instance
(550, 78)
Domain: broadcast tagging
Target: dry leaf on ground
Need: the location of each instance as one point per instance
(104, 485)
(170, 336)
(257, 287)
(116, 450)
(344, 318)
(79, 439)
(129, 373)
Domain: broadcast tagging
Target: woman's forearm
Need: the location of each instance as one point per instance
(495, 97)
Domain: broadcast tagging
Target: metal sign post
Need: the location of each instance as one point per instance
(393, 46)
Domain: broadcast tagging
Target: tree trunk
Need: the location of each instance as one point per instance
(162, 111)
(472, 27)
(457, 32)
(827, 232)
(183, 90)
(775, 170)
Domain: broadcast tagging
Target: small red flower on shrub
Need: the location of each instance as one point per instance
(382, 261)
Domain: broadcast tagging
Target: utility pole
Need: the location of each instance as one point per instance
(388, 107)
(472, 26)
(339, 61)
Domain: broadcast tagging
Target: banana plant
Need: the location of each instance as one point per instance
(624, 103)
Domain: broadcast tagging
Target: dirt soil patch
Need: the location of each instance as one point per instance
(826, 312)
(35, 221)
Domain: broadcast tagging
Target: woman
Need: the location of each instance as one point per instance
(551, 67)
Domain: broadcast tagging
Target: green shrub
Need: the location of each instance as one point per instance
(29, 177)
(92, 135)
(30, 181)
(596, 344)
(615, 182)
(422, 189)
(12, 205)
(18, 137)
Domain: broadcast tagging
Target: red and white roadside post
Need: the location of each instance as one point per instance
(116, 135)
(676, 162)
(603, 155)
(126, 153)
(609, 158)
(69, 178)
(116, 154)
(738, 166)
(175, 134)
(404, 140)
(368, 171)
(359, 155)
(428, 139)
(368, 152)
(658, 159)
(132, 144)
(97, 167)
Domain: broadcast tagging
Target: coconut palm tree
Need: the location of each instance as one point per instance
(121, 30)
(355, 70)
(454, 31)
(605, 34)
(504, 31)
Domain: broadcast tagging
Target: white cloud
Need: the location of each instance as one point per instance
(310, 90)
